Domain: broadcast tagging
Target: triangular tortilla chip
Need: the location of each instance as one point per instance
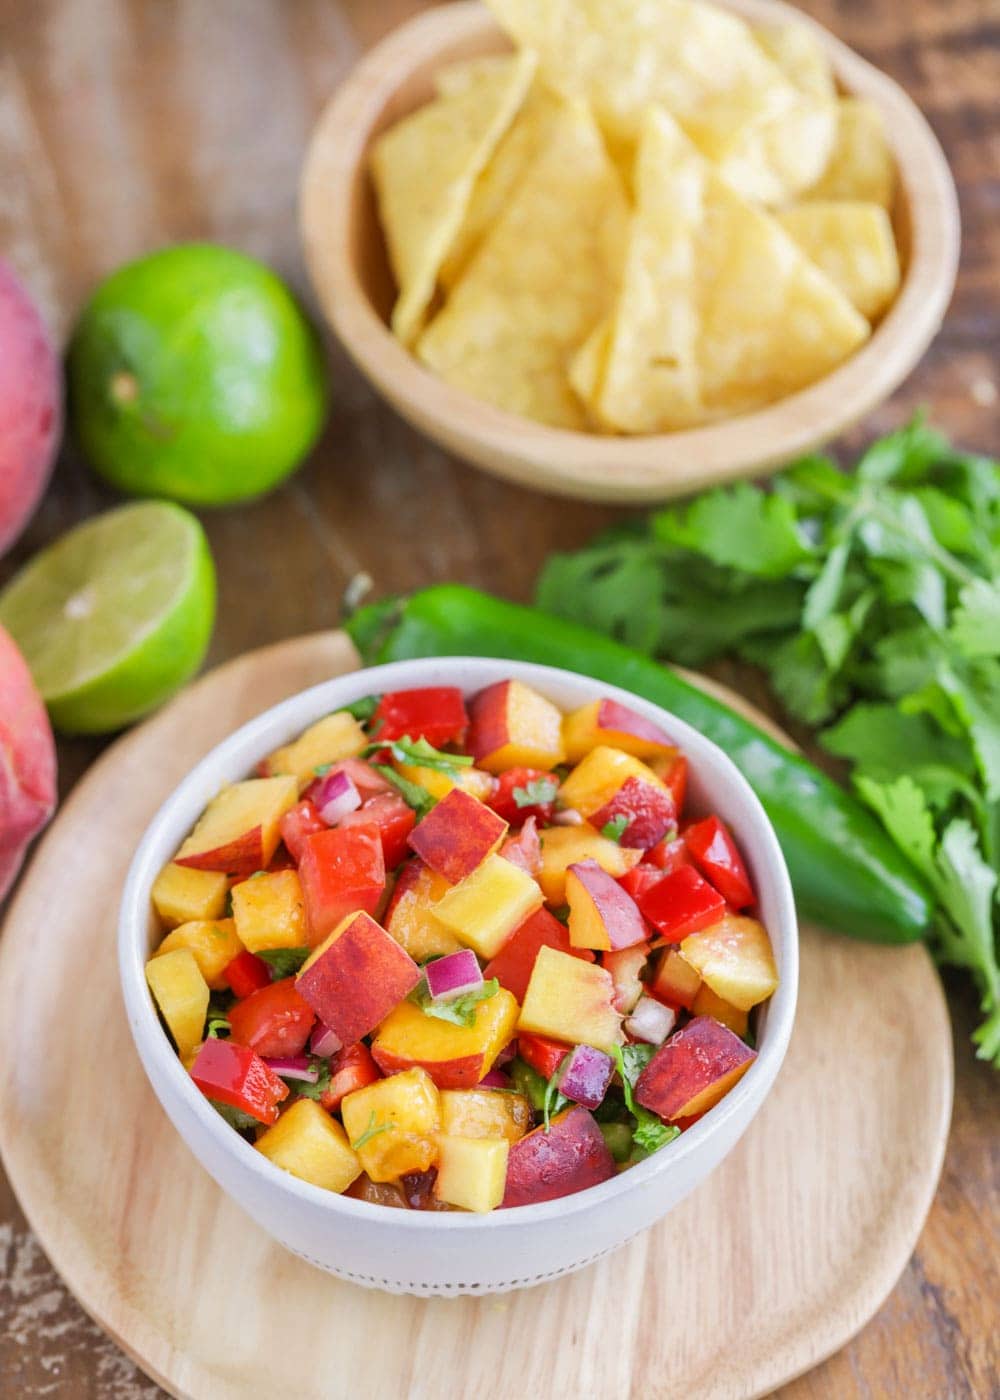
(799, 54)
(545, 273)
(720, 312)
(861, 165)
(853, 244)
(424, 169)
(698, 61)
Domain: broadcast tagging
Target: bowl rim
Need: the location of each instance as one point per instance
(641, 468)
(239, 751)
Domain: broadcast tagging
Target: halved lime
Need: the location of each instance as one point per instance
(115, 616)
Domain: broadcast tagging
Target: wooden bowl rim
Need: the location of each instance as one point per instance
(620, 469)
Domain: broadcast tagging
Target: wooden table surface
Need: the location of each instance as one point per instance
(127, 124)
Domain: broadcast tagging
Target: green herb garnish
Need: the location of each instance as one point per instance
(536, 793)
(235, 1117)
(284, 962)
(362, 709)
(650, 1132)
(412, 793)
(460, 1011)
(420, 754)
(370, 1132)
(615, 829)
(216, 1027)
(872, 602)
(553, 1100)
(302, 1087)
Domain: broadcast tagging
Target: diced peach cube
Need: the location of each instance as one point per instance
(213, 943)
(409, 917)
(330, 739)
(512, 726)
(457, 835)
(570, 1000)
(601, 914)
(456, 1057)
(597, 778)
(393, 1124)
(474, 781)
(563, 846)
(239, 830)
(706, 1003)
(474, 1113)
(564, 1158)
(693, 1070)
(472, 1172)
(609, 722)
(181, 895)
(269, 911)
(734, 957)
(181, 993)
(355, 977)
(485, 909)
(311, 1145)
(675, 981)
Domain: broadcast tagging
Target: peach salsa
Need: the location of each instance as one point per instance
(442, 954)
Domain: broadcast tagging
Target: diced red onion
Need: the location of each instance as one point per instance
(336, 796)
(452, 975)
(569, 816)
(651, 1021)
(496, 1079)
(293, 1067)
(324, 1041)
(585, 1075)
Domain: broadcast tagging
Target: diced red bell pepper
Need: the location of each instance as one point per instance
(394, 819)
(246, 973)
(714, 853)
(365, 778)
(342, 870)
(351, 1068)
(236, 1075)
(301, 821)
(640, 879)
(668, 854)
(681, 903)
(541, 1053)
(648, 810)
(434, 712)
(512, 966)
(505, 804)
(274, 1020)
(524, 849)
(676, 779)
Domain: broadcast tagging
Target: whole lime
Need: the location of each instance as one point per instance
(194, 375)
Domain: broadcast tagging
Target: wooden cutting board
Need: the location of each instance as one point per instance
(769, 1267)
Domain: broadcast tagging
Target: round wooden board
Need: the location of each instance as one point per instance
(770, 1266)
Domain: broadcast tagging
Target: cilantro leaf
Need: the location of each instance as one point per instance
(217, 1027)
(412, 794)
(372, 1131)
(235, 1117)
(553, 1101)
(536, 792)
(651, 1133)
(303, 1089)
(743, 528)
(615, 829)
(420, 754)
(459, 1011)
(284, 962)
(362, 709)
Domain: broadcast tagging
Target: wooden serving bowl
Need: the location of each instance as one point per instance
(346, 255)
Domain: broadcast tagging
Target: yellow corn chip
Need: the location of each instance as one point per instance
(861, 166)
(496, 184)
(701, 63)
(720, 312)
(853, 244)
(458, 77)
(586, 370)
(799, 54)
(425, 168)
(544, 275)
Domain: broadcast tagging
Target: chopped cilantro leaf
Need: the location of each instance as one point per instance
(235, 1117)
(412, 793)
(459, 1011)
(650, 1132)
(554, 1100)
(536, 793)
(217, 1027)
(615, 829)
(304, 1089)
(420, 754)
(372, 1131)
(362, 709)
(284, 962)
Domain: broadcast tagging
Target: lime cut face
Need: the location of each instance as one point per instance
(116, 615)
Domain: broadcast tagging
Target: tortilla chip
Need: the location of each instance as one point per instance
(586, 370)
(720, 312)
(853, 244)
(861, 166)
(699, 62)
(496, 184)
(797, 51)
(544, 275)
(425, 168)
(455, 78)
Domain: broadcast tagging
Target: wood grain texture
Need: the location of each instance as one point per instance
(345, 252)
(772, 1263)
(125, 124)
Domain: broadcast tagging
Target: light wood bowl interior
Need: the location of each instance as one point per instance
(346, 255)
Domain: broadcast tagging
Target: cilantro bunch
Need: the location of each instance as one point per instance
(872, 601)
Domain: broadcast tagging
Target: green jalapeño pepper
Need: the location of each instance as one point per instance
(846, 872)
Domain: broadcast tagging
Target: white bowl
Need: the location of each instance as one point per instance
(429, 1252)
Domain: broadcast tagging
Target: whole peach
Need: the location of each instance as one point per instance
(27, 762)
(30, 406)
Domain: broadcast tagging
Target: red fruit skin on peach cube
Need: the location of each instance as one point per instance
(457, 835)
(615, 718)
(513, 964)
(648, 810)
(27, 761)
(340, 870)
(394, 819)
(693, 1069)
(568, 1158)
(355, 982)
(524, 849)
